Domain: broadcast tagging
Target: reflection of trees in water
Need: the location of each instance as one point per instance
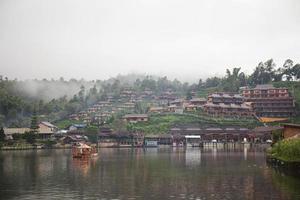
(288, 184)
(156, 175)
(152, 173)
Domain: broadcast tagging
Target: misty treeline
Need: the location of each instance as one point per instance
(264, 73)
(52, 99)
(56, 99)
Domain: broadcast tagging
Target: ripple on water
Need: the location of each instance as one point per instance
(133, 174)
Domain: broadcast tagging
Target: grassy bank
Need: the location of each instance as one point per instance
(162, 123)
(286, 150)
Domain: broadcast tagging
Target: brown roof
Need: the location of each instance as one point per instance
(292, 125)
(264, 86)
(267, 128)
(15, 130)
(198, 99)
(135, 116)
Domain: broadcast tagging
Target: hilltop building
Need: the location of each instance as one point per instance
(133, 118)
(268, 101)
(226, 104)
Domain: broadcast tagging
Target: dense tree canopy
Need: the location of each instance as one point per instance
(56, 99)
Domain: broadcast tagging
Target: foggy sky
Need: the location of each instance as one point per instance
(187, 39)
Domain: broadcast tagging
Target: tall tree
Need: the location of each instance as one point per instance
(296, 71)
(34, 122)
(263, 73)
(233, 80)
(2, 134)
(288, 69)
(81, 93)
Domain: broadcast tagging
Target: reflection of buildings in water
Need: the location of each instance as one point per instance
(193, 157)
(178, 155)
(151, 151)
(214, 152)
(245, 153)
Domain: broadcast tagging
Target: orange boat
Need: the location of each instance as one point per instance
(81, 150)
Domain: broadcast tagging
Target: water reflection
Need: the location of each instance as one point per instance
(245, 153)
(193, 157)
(154, 173)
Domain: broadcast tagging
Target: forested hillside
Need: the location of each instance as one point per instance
(56, 99)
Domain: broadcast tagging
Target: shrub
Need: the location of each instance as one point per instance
(30, 137)
(288, 150)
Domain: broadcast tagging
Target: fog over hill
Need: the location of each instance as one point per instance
(179, 39)
(47, 90)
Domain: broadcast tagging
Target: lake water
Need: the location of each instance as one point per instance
(158, 173)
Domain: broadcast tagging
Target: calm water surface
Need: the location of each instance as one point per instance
(163, 173)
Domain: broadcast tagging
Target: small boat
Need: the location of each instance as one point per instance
(81, 150)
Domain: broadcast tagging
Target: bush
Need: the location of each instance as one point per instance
(277, 135)
(288, 150)
(17, 136)
(30, 137)
(49, 143)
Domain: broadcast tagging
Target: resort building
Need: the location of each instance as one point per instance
(45, 131)
(168, 96)
(73, 117)
(10, 132)
(268, 101)
(291, 130)
(194, 104)
(225, 104)
(198, 101)
(177, 102)
(226, 98)
(82, 114)
(133, 118)
(231, 110)
(128, 93)
(156, 110)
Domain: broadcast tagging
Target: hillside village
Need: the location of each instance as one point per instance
(135, 109)
(264, 103)
(136, 118)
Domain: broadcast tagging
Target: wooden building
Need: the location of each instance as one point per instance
(177, 102)
(156, 109)
(226, 98)
(228, 110)
(268, 101)
(291, 130)
(227, 105)
(133, 118)
(197, 101)
(45, 131)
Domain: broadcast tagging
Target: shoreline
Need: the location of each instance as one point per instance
(222, 145)
(286, 167)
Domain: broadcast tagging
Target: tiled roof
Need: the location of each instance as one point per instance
(135, 115)
(264, 86)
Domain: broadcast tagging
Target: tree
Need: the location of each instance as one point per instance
(30, 137)
(288, 69)
(93, 90)
(234, 80)
(2, 134)
(212, 82)
(92, 133)
(34, 122)
(296, 71)
(264, 73)
(148, 83)
(189, 95)
(81, 93)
